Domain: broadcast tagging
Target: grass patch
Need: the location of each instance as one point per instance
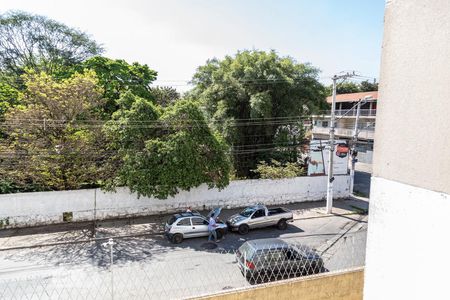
(359, 210)
(360, 194)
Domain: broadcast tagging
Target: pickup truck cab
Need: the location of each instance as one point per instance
(259, 216)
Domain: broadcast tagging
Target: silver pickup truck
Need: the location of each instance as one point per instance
(258, 216)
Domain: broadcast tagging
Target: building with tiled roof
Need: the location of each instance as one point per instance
(346, 115)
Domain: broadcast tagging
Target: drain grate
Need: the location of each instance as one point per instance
(209, 246)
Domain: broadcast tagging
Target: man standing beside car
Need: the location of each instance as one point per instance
(212, 228)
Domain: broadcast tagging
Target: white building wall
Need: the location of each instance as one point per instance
(408, 243)
(31, 209)
(408, 236)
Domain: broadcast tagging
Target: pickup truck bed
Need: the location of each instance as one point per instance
(277, 210)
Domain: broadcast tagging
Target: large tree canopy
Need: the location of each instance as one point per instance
(38, 43)
(9, 97)
(351, 87)
(164, 151)
(164, 95)
(116, 76)
(250, 95)
(49, 142)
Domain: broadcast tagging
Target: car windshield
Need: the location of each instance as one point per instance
(247, 212)
(171, 220)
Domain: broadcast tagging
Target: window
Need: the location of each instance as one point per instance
(199, 221)
(274, 256)
(324, 123)
(247, 212)
(172, 220)
(184, 222)
(258, 214)
(291, 254)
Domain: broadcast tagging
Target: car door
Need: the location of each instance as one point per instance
(258, 219)
(274, 261)
(184, 227)
(295, 263)
(199, 226)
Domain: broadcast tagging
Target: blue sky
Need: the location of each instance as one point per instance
(174, 37)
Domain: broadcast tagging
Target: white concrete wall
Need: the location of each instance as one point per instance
(412, 131)
(30, 209)
(408, 243)
(408, 238)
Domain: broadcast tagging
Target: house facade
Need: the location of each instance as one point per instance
(346, 118)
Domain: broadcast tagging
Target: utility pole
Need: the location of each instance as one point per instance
(354, 140)
(331, 147)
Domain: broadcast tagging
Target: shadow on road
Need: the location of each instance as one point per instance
(130, 249)
(151, 245)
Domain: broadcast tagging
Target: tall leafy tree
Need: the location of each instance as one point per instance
(164, 95)
(248, 97)
(165, 151)
(351, 87)
(367, 86)
(9, 97)
(35, 42)
(116, 76)
(347, 88)
(50, 142)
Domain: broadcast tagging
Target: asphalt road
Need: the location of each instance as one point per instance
(362, 183)
(152, 267)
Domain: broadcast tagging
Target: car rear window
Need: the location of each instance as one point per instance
(246, 249)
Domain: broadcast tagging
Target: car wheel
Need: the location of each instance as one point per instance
(282, 224)
(220, 233)
(177, 238)
(243, 229)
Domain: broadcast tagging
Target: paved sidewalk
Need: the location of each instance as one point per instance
(149, 225)
(363, 167)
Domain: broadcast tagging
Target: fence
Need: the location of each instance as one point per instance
(350, 112)
(143, 269)
(42, 208)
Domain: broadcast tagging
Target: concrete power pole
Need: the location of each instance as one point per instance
(331, 150)
(354, 141)
(331, 146)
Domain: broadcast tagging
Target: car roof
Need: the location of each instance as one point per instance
(257, 206)
(262, 244)
(187, 214)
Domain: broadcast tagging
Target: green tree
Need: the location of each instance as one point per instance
(367, 86)
(165, 151)
(277, 170)
(351, 87)
(347, 88)
(50, 142)
(35, 42)
(164, 95)
(248, 97)
(9, 97)
(116, 76)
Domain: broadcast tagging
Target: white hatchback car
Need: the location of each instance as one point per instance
(192, 224)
